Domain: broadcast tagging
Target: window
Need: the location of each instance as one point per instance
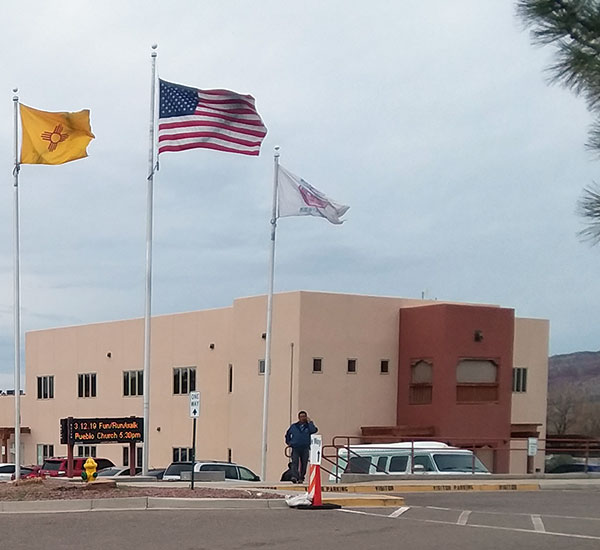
(425, 461)
(184, 380)
(138, 456)
(519, 380)
(351, 365)
(247, 475)
(86, 385)
(45, 387)
(359, 465)
(317, 364)
(381, 464)
(229, 455)
(476, 381)
(421, 383)
(230, 379)
(398, 463)
(182, 454)
(261, 366)
(133, 383)
(43, 452)
(463, 462)
(229, 470)
(384, 366)
(86, 451)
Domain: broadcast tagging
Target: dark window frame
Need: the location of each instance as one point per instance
(182, 454)
(87, 386)
(317, 366)
(133, 383)
(45, 386)
(91, 451)
(351, 366)
(184, 380)
(519, 384)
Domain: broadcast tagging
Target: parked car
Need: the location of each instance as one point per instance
(232, 470)
(115, 471)
(420, 457)
(7, 472)
(173, 471)
(573, 467)
(57, 466)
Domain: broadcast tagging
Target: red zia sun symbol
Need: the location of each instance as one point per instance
(55, 137)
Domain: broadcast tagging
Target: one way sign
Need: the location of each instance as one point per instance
(194, 404)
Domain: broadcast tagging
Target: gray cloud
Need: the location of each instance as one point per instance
(432, 120)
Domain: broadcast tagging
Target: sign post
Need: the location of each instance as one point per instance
(91, 431)
(532, 449)
(314, 478)
(194, 413)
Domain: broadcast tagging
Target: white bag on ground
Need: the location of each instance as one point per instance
(298, 500)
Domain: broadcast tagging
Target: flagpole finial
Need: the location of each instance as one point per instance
(154, 46)
(276, 150)
(15, 97)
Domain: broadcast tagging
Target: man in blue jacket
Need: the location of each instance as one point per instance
(298, 438)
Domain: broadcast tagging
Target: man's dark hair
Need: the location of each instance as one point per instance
(302, 412)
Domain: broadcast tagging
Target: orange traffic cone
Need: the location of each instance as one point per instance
(314, 485)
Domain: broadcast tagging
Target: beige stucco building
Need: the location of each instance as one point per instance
(337, 356)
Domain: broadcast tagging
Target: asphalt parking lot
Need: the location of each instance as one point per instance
(543, 520)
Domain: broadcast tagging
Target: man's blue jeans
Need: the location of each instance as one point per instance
(299, 462)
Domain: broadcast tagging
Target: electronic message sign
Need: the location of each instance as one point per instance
(91, 431)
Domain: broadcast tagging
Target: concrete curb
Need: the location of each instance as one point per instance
(370, 489)
(137, 503)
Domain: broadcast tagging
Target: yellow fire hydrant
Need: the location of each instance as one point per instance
(89, 473)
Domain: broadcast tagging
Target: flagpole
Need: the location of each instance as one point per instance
(263, 470)
(148, 302)
(17, 294)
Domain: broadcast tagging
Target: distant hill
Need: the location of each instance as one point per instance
(581, 368)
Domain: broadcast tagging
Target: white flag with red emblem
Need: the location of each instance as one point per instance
(296, 197)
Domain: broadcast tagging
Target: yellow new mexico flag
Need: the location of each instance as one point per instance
(54, 138)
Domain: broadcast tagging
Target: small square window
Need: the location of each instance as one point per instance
(184, 380)
(317, 364)
(261, 366)
(352, 365)
(384, 366)
(45, 387)
(182, 454)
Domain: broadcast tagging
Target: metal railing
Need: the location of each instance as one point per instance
(574, 448)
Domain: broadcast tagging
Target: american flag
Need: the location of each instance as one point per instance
(211, 119)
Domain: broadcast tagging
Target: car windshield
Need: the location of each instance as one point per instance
(176, 469)
(459, 462)
(110, 472)
(52, 464)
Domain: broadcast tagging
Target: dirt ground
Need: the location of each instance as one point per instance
(58, 489)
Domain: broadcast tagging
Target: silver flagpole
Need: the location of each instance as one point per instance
(148, 306)
(263, 469)
(17, 294)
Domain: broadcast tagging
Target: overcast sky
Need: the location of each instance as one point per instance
(432, 119)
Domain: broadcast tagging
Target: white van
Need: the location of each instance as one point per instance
(419, 457)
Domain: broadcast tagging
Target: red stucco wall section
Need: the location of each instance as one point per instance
(444, 334)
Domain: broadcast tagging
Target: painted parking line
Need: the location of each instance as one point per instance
(399, 512)
(360, 512)
(463, 518)
(538, 524)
